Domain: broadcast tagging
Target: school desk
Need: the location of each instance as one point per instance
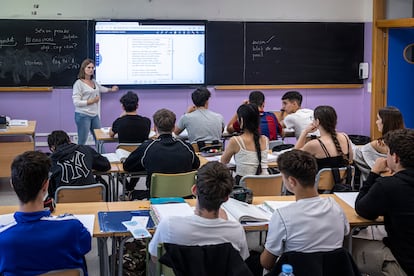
(84, 208)
(15, 140)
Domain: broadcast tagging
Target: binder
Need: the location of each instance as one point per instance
(166, 200)
(112, 221)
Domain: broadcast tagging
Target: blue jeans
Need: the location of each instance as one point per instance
(86, 123)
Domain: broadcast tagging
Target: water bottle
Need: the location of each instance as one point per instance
(287, 270)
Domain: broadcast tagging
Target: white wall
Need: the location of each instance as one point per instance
(398, 9)
(241, 10)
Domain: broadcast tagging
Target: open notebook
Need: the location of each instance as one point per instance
(86, 220)
(118, 156)
(160, 211)
(244, 212)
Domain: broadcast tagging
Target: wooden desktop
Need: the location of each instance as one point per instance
(13, 141)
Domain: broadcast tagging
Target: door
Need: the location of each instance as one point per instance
(400, 88)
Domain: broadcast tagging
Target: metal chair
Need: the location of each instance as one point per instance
(263, 185)
(325, 180)
(172, 185)
(84, 193)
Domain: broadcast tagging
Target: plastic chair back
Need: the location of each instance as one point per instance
(172, 185)
(263, 185)
(84, 193)
(325, 180)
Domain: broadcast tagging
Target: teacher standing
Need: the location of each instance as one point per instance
(86, 97)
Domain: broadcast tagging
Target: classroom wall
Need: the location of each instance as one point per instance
(240, 10)
(54, 110)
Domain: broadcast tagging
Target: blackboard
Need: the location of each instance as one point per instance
(42, 52)
(284, 53)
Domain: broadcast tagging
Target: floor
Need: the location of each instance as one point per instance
(8, 197)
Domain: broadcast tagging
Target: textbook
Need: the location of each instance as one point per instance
(112, 221)
(244, 212)
(160, 211)
(272, 205)
(118, 156)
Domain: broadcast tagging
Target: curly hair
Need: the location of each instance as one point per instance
(129, 101)
(400, 142)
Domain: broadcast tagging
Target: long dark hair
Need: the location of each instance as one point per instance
(327, 119)
(249, 119)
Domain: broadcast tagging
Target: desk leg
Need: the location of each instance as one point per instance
(103, 257)
(99, 146)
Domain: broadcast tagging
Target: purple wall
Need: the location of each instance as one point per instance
(55, 110)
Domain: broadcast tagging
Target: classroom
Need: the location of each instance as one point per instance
(356, 104)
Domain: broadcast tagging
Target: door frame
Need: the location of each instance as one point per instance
(380, 58)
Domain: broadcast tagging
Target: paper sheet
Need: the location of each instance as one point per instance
(349, 198)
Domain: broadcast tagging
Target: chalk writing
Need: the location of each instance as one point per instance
(8, 42)
(41, 52)
(261, 47)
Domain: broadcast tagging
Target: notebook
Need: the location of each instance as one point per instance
(272, 205)
(160, 211)
(118, 156)
(112, 221)
(244, 212)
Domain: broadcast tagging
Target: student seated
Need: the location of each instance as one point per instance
(331, 149)
(310, 224)
(295, 117)
(164, 154)
(202, 124)
(73, 164)
(35, 242)
(131, 127)
(391, 197)
(269, 125)
(209, 224)
(388, 118)
(250, 148)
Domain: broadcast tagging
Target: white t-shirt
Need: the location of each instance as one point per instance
(299, 121)
(247, 161)
(196, 230)
(202, 125)
(308, 225)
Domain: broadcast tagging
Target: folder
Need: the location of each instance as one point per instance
(112, 221)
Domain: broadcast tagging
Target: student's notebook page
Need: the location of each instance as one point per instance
(272, 205)
(173, 209)
(244, 212)
(349, 198)
(87, 220)
(118, 156)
